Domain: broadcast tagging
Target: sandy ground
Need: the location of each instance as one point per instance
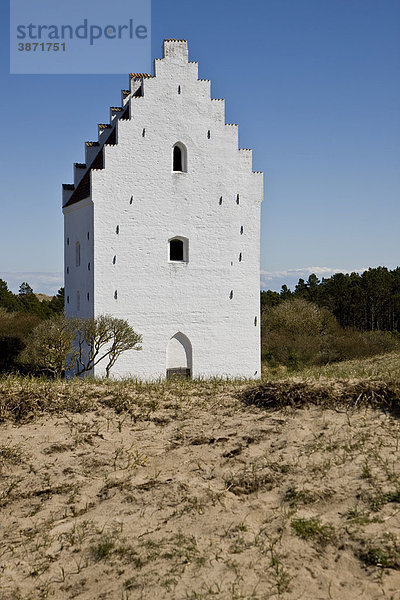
(206, 499)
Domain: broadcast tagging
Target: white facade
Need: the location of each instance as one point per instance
(200, 313)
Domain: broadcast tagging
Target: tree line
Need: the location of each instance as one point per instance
(20, 314)
(36, 337)
(27, 302)
(368, 302)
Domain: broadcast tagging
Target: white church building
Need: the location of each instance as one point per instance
(162, 228)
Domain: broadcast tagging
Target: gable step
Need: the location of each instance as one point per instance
(91, 149)
(67, 191)
(140, 76)
(115, 112)
(103, 130)
(79, 171)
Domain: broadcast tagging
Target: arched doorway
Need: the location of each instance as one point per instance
(179, 356)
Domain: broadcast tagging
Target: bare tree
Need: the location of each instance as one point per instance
(101, 338)
(123, 338)
(77, 345)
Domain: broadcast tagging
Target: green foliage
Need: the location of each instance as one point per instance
(25, 289)
(312, 529)
(269, 299)
(19, 315)
(7, 298)
(103, 548)
(297, 332)
(384, 553)
(49, 347)
(295, 496)
(56, 304)
(368, 302)
(15, 329)
(27, 302)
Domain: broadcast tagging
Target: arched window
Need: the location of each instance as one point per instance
(179, 158)
(78, 301)
(77, 254)
(178, 249)
(179, 356)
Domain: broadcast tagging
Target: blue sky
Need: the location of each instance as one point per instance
(315, 88)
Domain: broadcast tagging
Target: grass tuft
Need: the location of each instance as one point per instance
(312, 529)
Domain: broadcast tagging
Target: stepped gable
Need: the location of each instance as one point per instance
(73, 194)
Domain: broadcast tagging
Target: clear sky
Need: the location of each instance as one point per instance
(315, 88)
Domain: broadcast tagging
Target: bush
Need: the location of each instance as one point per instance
(15, 329)
(297, 332)
(49, 346)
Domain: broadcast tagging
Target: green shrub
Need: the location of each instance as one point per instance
(312, 529)
(15, 329)
(297, 332)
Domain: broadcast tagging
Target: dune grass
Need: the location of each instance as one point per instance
(285, 488)
(374, 381)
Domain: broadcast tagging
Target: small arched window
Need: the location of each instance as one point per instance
(179, 158)
(78, 301)
(178, 249)
(77, 254)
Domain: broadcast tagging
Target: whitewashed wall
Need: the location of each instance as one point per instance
(214, 298)
(78, 227)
